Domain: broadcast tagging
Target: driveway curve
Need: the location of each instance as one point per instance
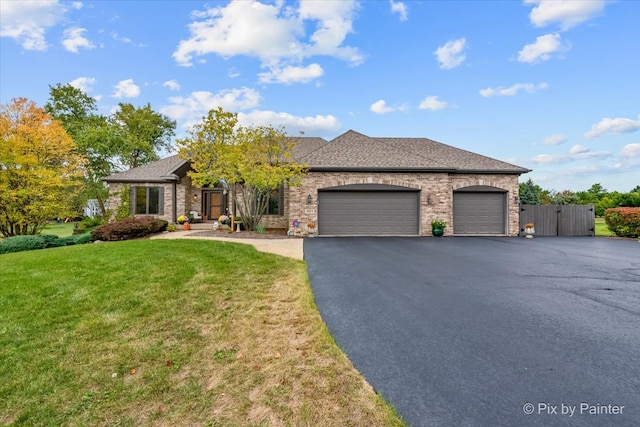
(478, 331)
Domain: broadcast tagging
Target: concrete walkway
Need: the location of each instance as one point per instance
(289, 247)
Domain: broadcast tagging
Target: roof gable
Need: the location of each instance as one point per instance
(168, 169)
(353, 150)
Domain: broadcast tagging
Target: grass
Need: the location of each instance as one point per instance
(167, 333)
(601, 228)
(59, 229)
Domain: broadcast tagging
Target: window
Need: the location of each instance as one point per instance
(148, 200)
(276, 203)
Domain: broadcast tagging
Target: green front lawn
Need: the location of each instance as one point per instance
(59, 229)
(601, 228)
(170, 332)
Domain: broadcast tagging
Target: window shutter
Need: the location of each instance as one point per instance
(161, 201)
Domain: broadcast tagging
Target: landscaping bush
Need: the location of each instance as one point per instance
(623, 222)
(88, 224)
(129, 228)
(42, 241)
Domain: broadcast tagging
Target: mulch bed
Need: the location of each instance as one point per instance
(275, 233)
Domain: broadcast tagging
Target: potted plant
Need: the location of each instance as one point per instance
(183, 219)
(224, 220)
(312, 229)
(529, 230)
(437, 227)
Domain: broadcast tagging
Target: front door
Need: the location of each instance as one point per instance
(213, 201)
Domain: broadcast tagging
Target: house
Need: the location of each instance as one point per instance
(356, 185)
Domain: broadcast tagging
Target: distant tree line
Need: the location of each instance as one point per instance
(53, 158)
(533, 194)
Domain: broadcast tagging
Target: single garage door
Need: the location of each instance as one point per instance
(368, 213)
(478, 213)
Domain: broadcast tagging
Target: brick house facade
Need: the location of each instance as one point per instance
(448, 184)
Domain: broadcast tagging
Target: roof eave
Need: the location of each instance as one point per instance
(138, 180)
(495, 171)
(377, 169)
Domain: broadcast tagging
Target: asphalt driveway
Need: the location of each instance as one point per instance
(474, 331)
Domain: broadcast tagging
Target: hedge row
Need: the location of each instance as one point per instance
(129, 228)
(41, 241)
(623, 222)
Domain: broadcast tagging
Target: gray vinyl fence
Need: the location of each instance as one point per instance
(559, 220)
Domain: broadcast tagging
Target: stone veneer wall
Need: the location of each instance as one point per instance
(436, 194)
(181, 194)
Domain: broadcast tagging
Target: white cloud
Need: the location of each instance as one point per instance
(233, 72)
(190, 110)
(433, 103)
(400, 8)
(380, 107)
(577, 149)
(615, 126)
(196, 105)
(85, 84)
(542, 49)
(577, 152)
(566, 13)
(126, 89)
(172, 85)
(312, 125)
(450, 54)
(292, 74)
(27, 21)
(513, 90)
(555, 139)
(631, 151)
(274, 33)
(74, 39)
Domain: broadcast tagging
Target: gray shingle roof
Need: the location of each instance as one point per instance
(305, 145)
(352, 151)
(355, 151)
(162, 170)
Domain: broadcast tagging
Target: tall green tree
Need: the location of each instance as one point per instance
(257, 159)
(144, 133)
(96, 139)
(529, 193)
(40, 168)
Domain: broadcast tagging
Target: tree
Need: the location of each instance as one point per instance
(98, 141)
(39, 168)
(256, 158)
(144, 133)
(529, 193)
(592, 195)
(635, 189)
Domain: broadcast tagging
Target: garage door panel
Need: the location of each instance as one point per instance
(368, 213)
(478, 213)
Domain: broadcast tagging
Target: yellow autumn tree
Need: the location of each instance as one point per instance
(40, 170)
(255, 161)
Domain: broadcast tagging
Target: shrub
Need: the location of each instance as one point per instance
(88, 224)
(129, 228)
(42, 241)
(623, 222)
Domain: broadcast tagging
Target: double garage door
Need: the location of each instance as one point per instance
(479, 213)
(397, 213)
(368, 213)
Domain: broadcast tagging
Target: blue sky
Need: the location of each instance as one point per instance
(553, 86)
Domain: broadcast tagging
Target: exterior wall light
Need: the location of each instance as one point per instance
(309, 200)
